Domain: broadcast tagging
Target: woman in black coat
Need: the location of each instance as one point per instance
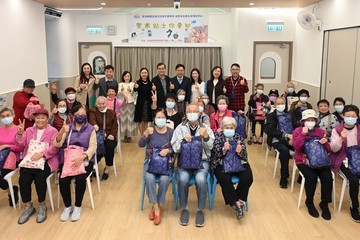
(215, 86)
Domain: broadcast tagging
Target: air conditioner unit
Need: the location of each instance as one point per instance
(52, 13)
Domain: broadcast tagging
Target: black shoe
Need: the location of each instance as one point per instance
(312, 210)
(325, 211)
(299, 179)
(355, 216)
(240, 211)
(105, 176)
(16, 196)
(283, 182)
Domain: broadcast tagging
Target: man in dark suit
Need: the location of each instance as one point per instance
(162, 84)
(181, 82)
(103, 83)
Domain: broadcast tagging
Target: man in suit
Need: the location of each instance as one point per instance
(103, 83)
(181, 82)
(162, 84)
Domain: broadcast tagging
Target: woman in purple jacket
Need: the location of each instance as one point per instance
(308, 130)
(43, 132)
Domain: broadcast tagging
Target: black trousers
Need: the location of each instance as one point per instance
(311, 176)
(353, 186)
(80, 182)
(253, 126)
(3, 183)
(27, 176)
(230, 193)
(284, 156)
(110, 146)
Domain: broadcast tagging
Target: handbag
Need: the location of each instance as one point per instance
(232, 162)
(158, 164)
(100, 138)
(316, 154)
(259, 112)
(34, 147)
(4, 153)
(353, 155)
(191, 153)
(241, 124)
(10, 162)
(71, 152)
(285, 123)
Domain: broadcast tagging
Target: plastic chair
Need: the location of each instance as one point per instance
(302, 186)
(157, 180)
(234, 180)
(97, 175)
(293, 176)
(263, 143)
(8, 178)
(192, 182)
(118, 147)
(277, 157)
(345, 183)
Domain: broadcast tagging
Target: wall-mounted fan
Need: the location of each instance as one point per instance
(308, 20)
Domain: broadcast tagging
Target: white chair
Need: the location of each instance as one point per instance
(48, 184)
(277, 160)
(8, 178)
(97, 175)
(302, 186)
(293, 176)
(118, 147)
(268, 149)
(345, 183)
(264, 137)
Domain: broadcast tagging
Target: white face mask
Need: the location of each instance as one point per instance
(201, 109)
(71, 96)
(280, 108)
(303, 99)
(310, 124)
(290, 90)
(206, 101)
(62, 110)
(339, 108)
(103, 111)
(259, 91)
(181, 98)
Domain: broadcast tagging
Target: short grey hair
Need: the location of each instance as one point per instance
(192, 104)
(228, 121)
(222, 97)
(101, 98)
(281, 99)
(181, 91)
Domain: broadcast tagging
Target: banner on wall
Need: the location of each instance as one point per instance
(172, 28)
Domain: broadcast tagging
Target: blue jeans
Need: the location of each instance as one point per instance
(200, 183)
(164, 182)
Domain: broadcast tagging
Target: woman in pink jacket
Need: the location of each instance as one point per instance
(345, 138)
(44, 133)
(307, 131)
(216, 118)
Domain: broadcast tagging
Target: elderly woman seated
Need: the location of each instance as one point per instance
(228, 159)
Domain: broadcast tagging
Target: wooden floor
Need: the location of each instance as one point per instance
(272, 211)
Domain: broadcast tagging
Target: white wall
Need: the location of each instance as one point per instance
(23, 45)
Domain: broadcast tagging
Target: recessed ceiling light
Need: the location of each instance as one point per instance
(102, 4)
(251, 4)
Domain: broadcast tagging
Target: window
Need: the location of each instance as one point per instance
(268, 68)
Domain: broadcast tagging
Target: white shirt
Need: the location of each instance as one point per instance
(197, 93)
(39, 134)
(215, 81)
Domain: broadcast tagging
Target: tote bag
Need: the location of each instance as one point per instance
(191, 153)
(353, 154)
(316, 154)
(232, 162)
(158, 164)
(34, 147)
(285, 123)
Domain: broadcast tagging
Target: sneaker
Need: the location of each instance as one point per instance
(254, 139)
(41, 214)
(200, 219)
(16, 196)
(283, 182)
(260, 141)
(240, 211)
(65, 215)
(355, 216)
(105, 176)
(26, 214)
(233, 207)
(184, 217)
(325, 214)
(75, 216)
(312, 210)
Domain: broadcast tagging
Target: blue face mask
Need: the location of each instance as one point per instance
(350, 120)
(192, 117)
(160, 122)
(170, 105)
(80, 119)
(7, 120)
(229, 133)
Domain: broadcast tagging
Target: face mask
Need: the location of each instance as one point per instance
(103, 111)
(80, 118)
(229, 133)
(206, 101)
(339, 108)
(310, 125)
(192, 117)
(181, 98)
(201, 109)
(62, 110)
(350, 120)
(280, 108)
(290, 90)
(272, 98)
(71, 96)
(303, 99)
(222, 107)
(259, 91)
(160, 122)
(170, 105)
(7, 120)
